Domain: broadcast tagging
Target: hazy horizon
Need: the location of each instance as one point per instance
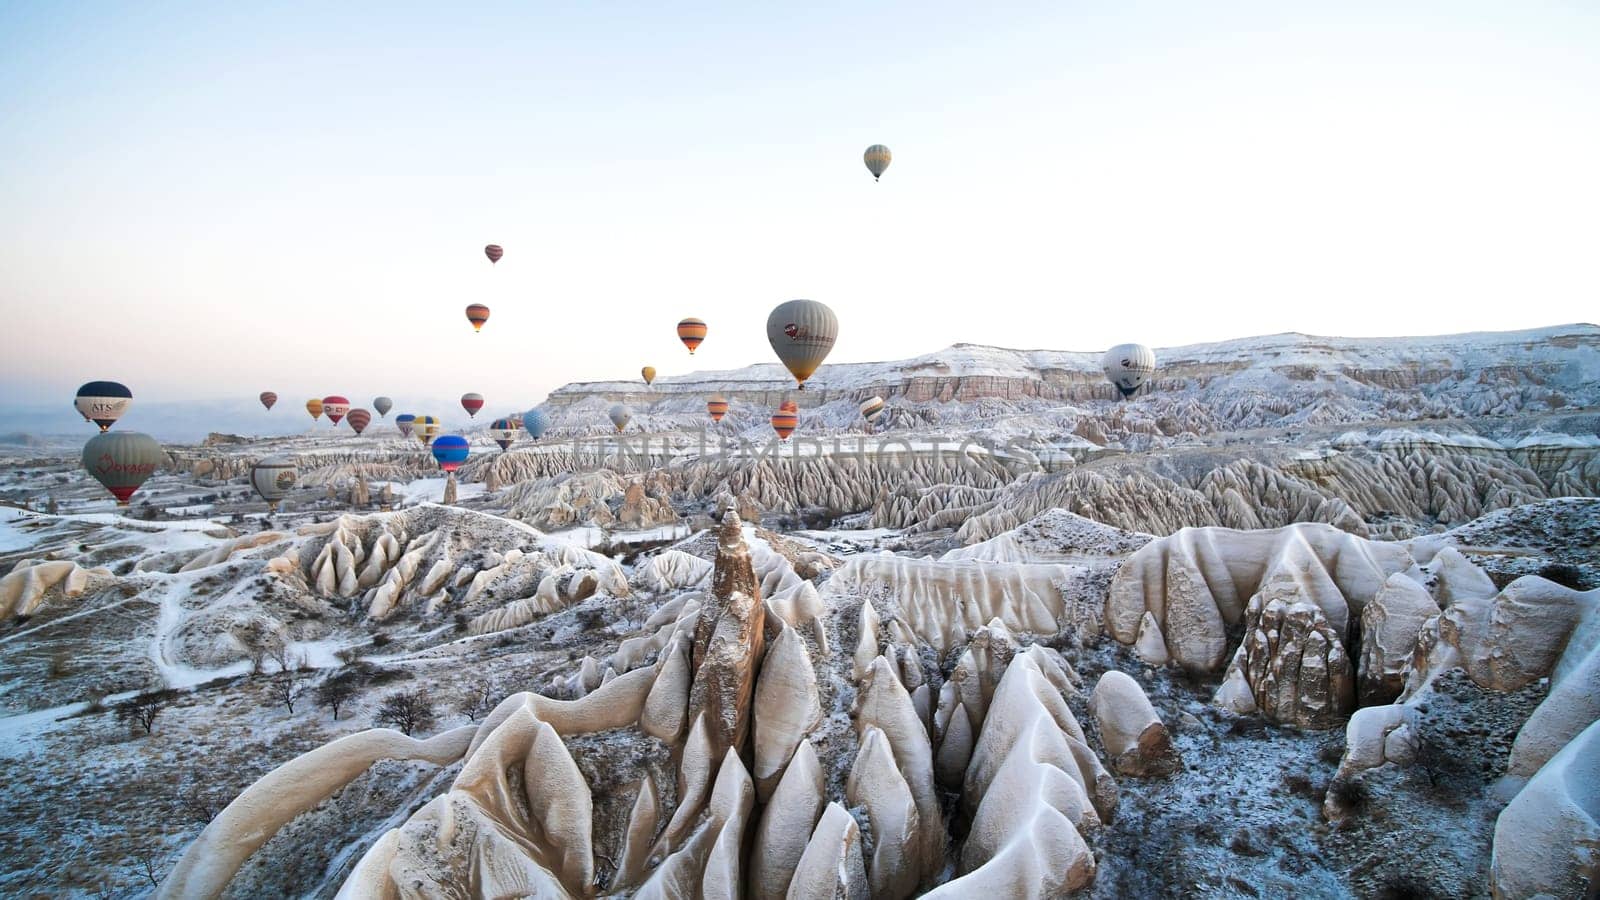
(205, 202)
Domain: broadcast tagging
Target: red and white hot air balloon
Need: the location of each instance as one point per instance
(335, 407)
(472, 403)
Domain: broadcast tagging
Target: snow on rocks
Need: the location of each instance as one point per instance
(24, 589)
(1547, 840)
(1133, 736)
(1390, 624)
(1291, 666)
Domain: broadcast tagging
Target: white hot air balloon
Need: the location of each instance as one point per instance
(1129, 367)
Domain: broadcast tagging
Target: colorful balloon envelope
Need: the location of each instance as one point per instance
(359, 419)
(273, 478)
(382, 405)
(451, 451)
(477, 314)
(314, 406)
(785, 421)
(1128, 367)
(802, 333)
(335, 406)
(122, 461)
(871, 408)
(427, 428)
(504, 432)
(102, 402)
(877, 159)
(648, 373)
(494, 252)
(534, 422)
(717, 406)
(691, 331)
(619, 416)
(405, 422)
(268, 398)
(472, 403)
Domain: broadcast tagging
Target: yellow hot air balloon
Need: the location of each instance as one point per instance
(649, 374)
(802, 333)
(314, 406)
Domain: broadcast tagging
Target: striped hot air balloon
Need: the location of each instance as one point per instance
(268, 398)
(102, 402)
(494, 252)
(717, 406)
(427, 428)
(691, 331)
(786, 420)
(405, 422)
(871, 408)
(802, 333)
(477, 314)
(314, 406)
(877, 159)
(335, 406)
(382, 405)
(359, 419)
(504, 432)
(273, 478)
(534, 422)
(472, 402)
(1128, 366)
(122, 461)
(451, 451)
(648, 373)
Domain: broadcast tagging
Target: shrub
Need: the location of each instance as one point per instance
(336, 691)
(140, 712)
(1350, 793)
(408, 711)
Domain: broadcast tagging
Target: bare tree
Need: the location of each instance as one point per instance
(140, 712)
(336, 691)
(408, 711)
(288, 687)
(195, 803)
(146, 866)
(478, 700)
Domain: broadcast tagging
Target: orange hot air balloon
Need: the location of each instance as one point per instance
(717, 406)
(477, 314)
(691, 331)
(314, 406)
(785, 420)
(648, 373)
(494, 252)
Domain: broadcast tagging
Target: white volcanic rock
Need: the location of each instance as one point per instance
(1516, 636)
(1547, 839)
(1574, 699)
(786, 706)
(786, 824)
(225, 551)
(24, 588)
(884, 707)
(1135, 739)
(1197, 582)
(897, 864)
(1290, 666)
(1149, 644)
(832, 865)
(667, 706)
(1390, 624)
(672, 570)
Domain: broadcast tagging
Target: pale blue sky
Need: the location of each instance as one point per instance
(206, 201)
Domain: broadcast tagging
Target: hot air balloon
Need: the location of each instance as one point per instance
(273, 478)
(427, 428)
(494, 252)
(382, 405)
(314, 406)
(786, 419)
(717, 406)
(472, 403)
(103, 402)
(451, 451)
(648, 373)
(359, 419)
(619, 416)
(1128, 366)
(405, 422)
(801, 333)
(335, 406)
(477, 314)
(871, 409)
(534, 422)
(877, 159)
(504, 432)
(268, 398)
(122, 461)
(691, 331)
